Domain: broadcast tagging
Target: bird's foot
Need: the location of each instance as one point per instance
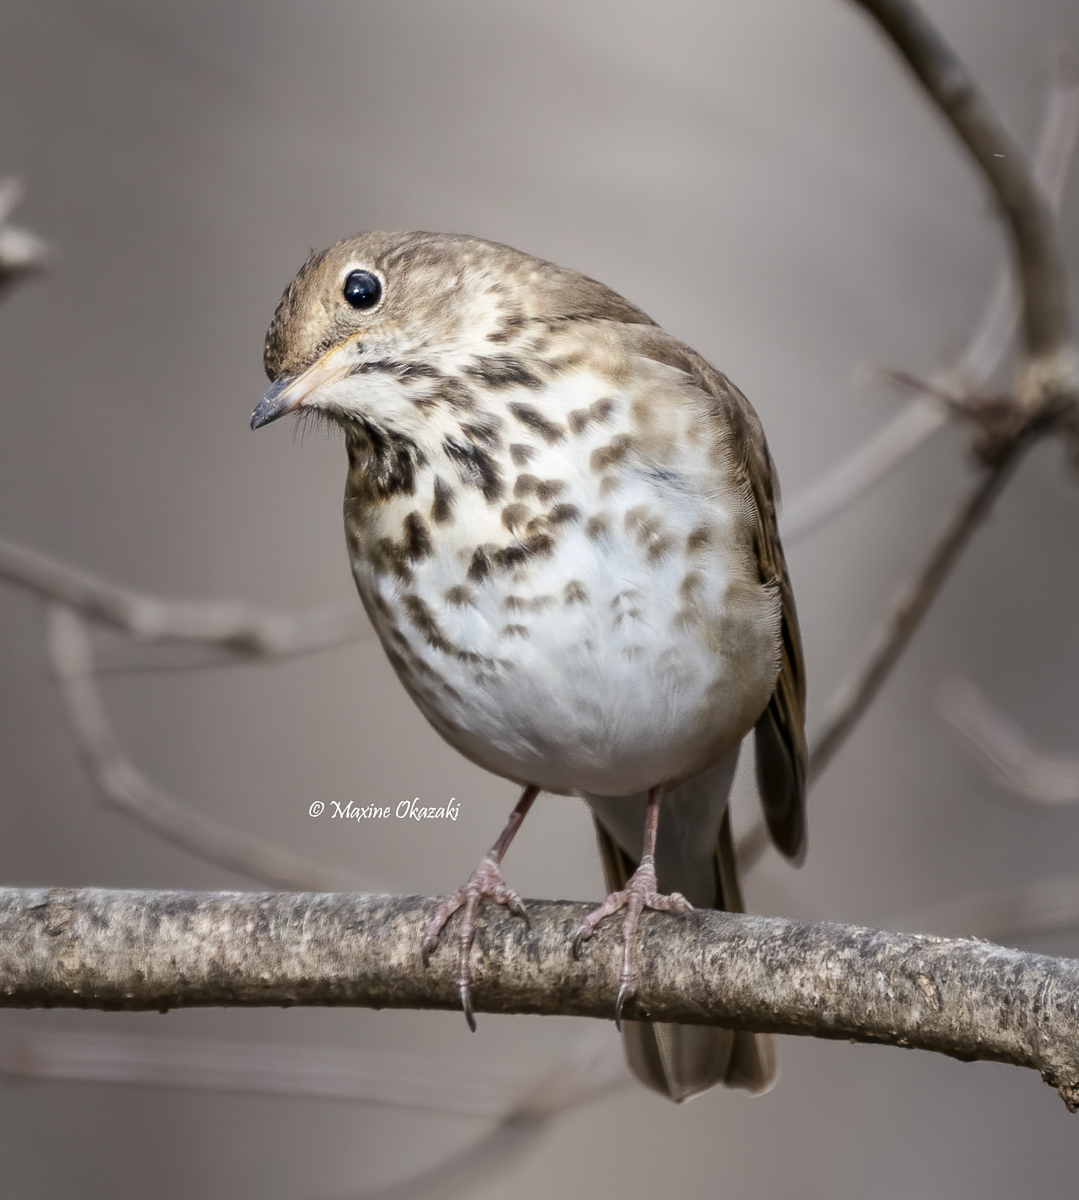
(486, 883)
(639, 893)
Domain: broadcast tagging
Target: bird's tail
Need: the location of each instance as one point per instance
(678, 1061)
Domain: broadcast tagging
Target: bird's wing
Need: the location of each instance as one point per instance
(781, 751)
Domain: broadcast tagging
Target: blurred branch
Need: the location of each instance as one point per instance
(973, 367)
(266, 1069)
(867, 466)
(523, 1109)
(123, 787)
(1039, 262)
(888, 641)
(21, 253)
(240, 628)
(1047, 395)
(593, 1072)
(136, 951)
(1019, 766)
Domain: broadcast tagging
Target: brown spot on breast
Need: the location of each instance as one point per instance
(691, 586)
(485, 431)
(598, 526)
(578, 420)
(442, 505)
(458, 596)
(417, 540)
(502, 371)
(548, 489)
(659, 549)
(421, 617)
(533, 419)
(520, 631)
(544, 490)
(612, 454)
(581, 418)
(475, 466)
(698, 540)
(456, 394)
(508, 329)
(527, 604)
(520, 453)
(574, 593)
(643, 522)
(561, 513)
(515, 515)
(488, 558)
(387, 557)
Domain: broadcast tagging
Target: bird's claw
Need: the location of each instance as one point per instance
(638, 894)
(486, 883)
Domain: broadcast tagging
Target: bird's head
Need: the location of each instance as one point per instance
(379, 326)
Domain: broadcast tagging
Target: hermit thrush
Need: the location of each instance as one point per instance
(561, 522)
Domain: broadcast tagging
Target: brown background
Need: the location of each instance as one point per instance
(762, 178)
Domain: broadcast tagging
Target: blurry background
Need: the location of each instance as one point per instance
(763, 179)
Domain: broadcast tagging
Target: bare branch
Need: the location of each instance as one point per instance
(21, 253)
(158, 950)
(975, 365)
(1019, 766)
(872, 462)
(523, 1109)
(594, 1073)
(886, 644)
(239, 628)
(264, 1069)
(1039, 263)
(122, 785)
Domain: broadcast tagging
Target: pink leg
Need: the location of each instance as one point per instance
(486, 883)
(639, 893)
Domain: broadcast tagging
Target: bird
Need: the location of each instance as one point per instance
(562, 524)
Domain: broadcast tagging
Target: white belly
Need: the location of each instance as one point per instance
(599, 668)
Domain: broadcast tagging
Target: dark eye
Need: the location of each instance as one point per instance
(362, 289)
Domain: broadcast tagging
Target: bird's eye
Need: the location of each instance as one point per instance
(362, 289)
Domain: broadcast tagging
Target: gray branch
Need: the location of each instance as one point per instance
(1040, 265)
(134, 951)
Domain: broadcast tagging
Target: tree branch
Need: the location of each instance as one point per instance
(1019, 765)
(1039, 263)
(135, 951)
(886, 644)
(241, 629)
(123, 787)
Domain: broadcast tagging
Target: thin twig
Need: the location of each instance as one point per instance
(867, 466)
(596, 1071)
(1039, 262)
(886, 644)
(976, 363)
(123, 786)
(266, 1069)
(1021, 767)
(239, 628)
(137, 951)
(21, 253)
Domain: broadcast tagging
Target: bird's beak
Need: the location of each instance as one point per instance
(288, 393)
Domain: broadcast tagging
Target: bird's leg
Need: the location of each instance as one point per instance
(638, 894)
(486, 883)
